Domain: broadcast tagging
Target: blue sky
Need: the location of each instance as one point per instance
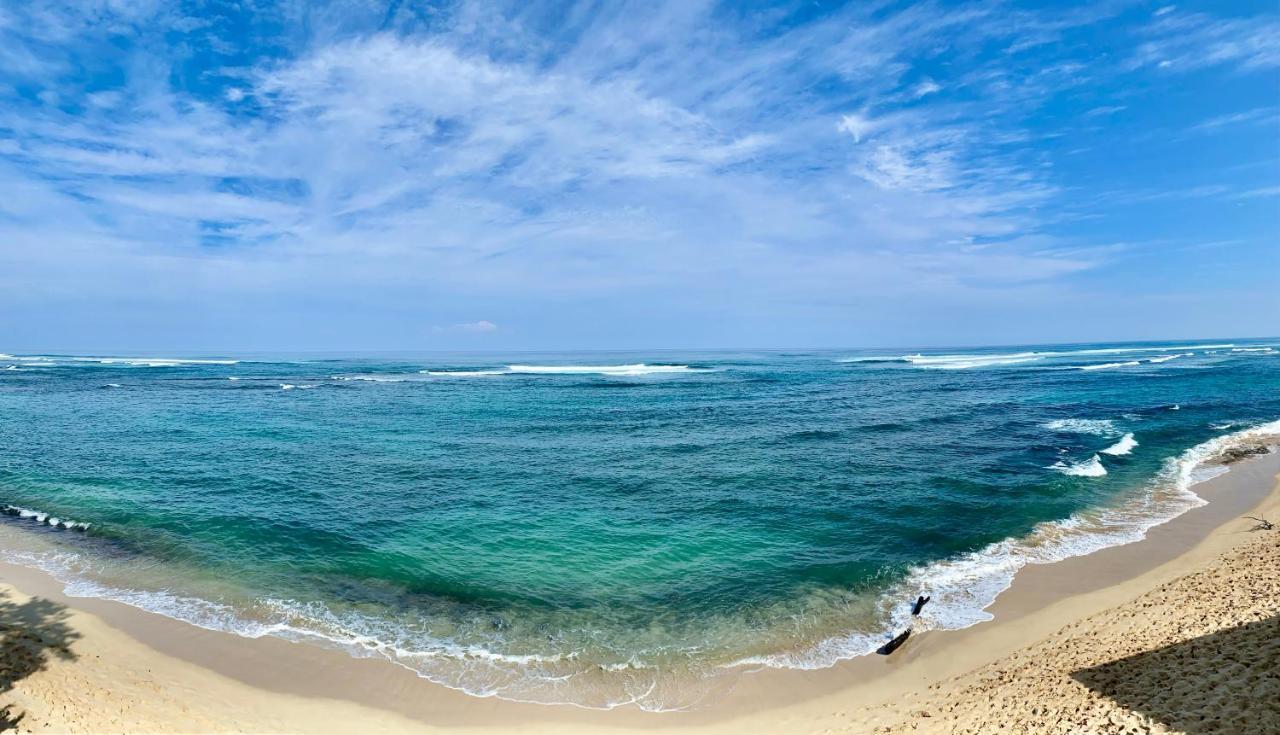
(212, 176)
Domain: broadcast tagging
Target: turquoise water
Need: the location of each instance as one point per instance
(606, 528)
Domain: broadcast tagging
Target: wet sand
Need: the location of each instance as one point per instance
(93, 665)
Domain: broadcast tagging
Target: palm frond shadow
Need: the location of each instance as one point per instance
(32, 634)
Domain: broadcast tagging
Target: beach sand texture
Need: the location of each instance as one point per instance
(1200, 654)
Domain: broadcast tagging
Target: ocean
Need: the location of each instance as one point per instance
(605, 528)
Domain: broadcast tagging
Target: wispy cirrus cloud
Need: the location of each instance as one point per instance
(1183, 41)
(545, 156)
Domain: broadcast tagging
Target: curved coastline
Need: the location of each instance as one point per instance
(1171, 537)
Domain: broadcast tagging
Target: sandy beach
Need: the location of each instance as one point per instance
(1176, 633)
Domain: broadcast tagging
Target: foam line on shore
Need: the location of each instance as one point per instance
(963, 587)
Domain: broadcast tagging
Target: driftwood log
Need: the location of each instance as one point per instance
(920, 601)
(893, 645)
(1263, 524)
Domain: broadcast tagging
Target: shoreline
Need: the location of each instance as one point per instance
(278, 685)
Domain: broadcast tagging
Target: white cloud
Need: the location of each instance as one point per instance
(856, 125)
(1186, 41)
(480, 327)
(925, 88)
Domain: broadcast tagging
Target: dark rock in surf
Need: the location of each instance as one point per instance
(1235, 454)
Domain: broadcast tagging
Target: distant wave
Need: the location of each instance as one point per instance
(1261, 350)
(960, 362)
(375, 378)
(632, 370)
(151, 361)
(1122, 447)
(291, 386)
(1091, 467)
(128, 361)
(1099, 427)
(977, 360)
(639, 368)
(874, 359)
(1109, 365)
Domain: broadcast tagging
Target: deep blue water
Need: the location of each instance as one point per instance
(607, 527)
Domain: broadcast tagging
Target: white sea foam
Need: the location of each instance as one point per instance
(639, 368)
(873, 358)
(1167, 358)
(151, 361)
(977, 360)
(961, 362)
(1091, 467)
(375, 378)
(1109, 365)
(636, 369)
(43, 518)
(1253, 349)
(1098, 427)
(112, 385)
(1122, 447)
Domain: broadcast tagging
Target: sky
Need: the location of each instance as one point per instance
(262, 176)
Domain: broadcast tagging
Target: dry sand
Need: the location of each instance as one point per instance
(1175, 633)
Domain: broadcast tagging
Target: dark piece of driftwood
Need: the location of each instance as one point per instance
(1263, 524)
(892, 645)
(920, 601)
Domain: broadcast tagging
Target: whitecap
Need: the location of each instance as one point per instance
(462, 373)
(961, 362)
(1108, 365)
(1122, 447)
(1091, 467)
(882, 358)
(975, 360)
(1099, 427)
(151, 361)
(42, 518)
(372, 378)
(639, 368)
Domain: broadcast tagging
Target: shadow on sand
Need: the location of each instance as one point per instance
(31, 633)
(1226, 682)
